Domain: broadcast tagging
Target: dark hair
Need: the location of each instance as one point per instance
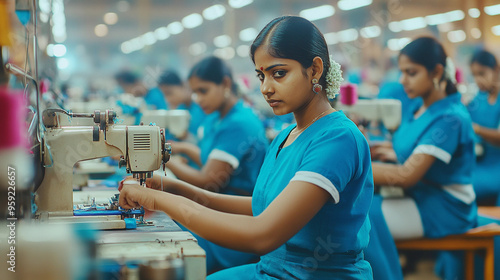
(485, 58)
(428, 52)
(213, 69)
(170, 78)
(126, 77)
(296, 38)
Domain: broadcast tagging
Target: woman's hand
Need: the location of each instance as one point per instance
(134, 196)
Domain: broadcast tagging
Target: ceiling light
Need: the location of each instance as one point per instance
(192, 21)
(59, 50)
(62, 63)
(413, 23)
(243, 50)
(222, 41)
(347, 35)
(161, 33)
(496, 30)
(353, 4)
(318, 12)
(474, 13)
(248, 34)
(213, 12)
(395, 26)
(476, 33)
(175, 28)
(149, 38)
(397, 44)
(225, 53)
(492, 10)
(50, 50)
(101, 30)
(197, 48)
(126, 47)
(456, 36)
(331, 38)
(239, 3)
(455, 15)
(370, 31)
(110, 18)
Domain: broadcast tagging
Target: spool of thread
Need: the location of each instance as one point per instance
(12, 118)
(459, 76)
(348, 94)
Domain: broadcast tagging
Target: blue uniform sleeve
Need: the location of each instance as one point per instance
(232, 143)
(155, 98)
(330, 162)
(441, 139)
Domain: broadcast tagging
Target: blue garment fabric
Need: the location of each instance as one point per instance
(444, 131)
(488, 165)
(331, 245)
(155, 99)
(240, 136)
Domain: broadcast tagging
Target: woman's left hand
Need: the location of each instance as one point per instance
(132, 195)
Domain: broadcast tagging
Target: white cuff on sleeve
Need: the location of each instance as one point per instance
(318, 180)
(225, 157)
(433, 151)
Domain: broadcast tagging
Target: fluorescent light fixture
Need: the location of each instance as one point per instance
(456, 36)
(496, 30)
(175, 28)
(59, 50)
(110, 18)
(476, 33)
(62, 63)
(413, 23)
(492, 10)
(370, 31)
(149, 38)
(347, 35)
(50, 50)
(248, 34)
(197, 48)
(126, 47)
(397, 44)
(331, 38)
(213, 12)
(436, 19)
(137, 43)
(192, 21)
(318, 12)
(243, 50)
(225, 53)
(101, 30)
(161, 33)
(395, 26)
(455, 15)
(474, 13)
(239, 3)
(347, 5)
(222, 41)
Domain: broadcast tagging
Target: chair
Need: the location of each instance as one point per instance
(473, 241)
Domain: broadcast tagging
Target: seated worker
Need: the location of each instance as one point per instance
(434, 151)
(178, 97)
(231, 149)
(484, 110)
(130, 83)
(308, 216)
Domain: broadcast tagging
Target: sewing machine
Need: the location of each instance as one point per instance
(175, 121)
(143, 150)
(388, 111)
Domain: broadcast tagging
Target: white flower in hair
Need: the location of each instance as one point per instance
(450, 71)
(333, 79)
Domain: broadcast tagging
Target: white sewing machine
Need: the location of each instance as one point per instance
(388, 111)
(175, 121)
(143, 150)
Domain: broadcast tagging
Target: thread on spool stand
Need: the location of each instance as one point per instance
(348, 94)
(12, 118)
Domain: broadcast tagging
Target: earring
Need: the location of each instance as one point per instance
(316, 87)
(436, 83)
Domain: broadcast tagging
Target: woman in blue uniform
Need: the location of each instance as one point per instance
(230, 152)
(178, 97)
(308, 216)
(435, 154)
(485, 113)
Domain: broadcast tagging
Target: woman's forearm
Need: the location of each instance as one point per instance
(491, 136)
